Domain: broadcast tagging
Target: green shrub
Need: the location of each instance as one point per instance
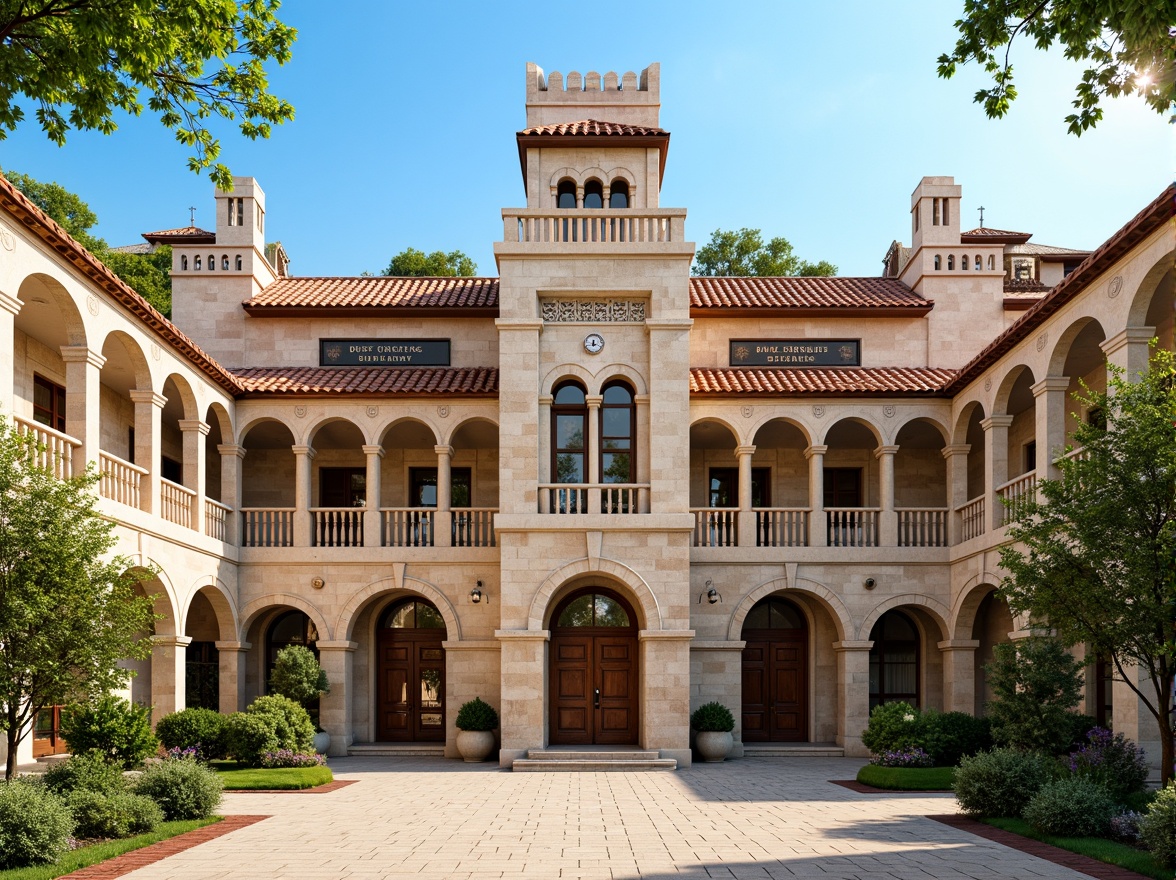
(183, 788)
(893, 727)
(249, 737)
(1113, 761)
(1071, 807)
(713, 716)
(1158, 828)
(1000, 782)
(200, 729)
(476, 715)
(118, 730)
(292, 725)
(85, 772)
(1080, 728)
(298, 676)
(1036, 682)
(949, 736)
(113, 815)
(35, 826)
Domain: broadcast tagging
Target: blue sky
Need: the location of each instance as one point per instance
(812, 121)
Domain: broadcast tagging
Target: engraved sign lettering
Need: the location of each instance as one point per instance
(796, 352)
(384, 352)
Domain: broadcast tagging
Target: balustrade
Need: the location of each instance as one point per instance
(267, 526)
(176, 501)
(621, 498)
(54, 451)
(337, 526)
(852, 526)
(922, 526)
(1016, 494)
(972, 518)
(216, 520)
(589, 225)
(782, 526)
(474, 526)
(119, 480)
(407, 526)
(716, 526)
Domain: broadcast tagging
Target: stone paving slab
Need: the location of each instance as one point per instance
(761, 818)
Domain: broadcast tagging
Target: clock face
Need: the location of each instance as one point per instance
(593, 343)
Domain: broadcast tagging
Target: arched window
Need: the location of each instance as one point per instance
(184, 262)
(773, 613)
(211, 263)
(618, 427)
(894, 660)
(225, 262)
(950, 262)
(991, 263)
(979, 265)
(196, 263)
(290, 628)
(565, 194)
(411, 614)
(238, 262)
(593, 194)
(569, 430)
(618, 196)
(595, 610)
(964, 262)
(938, 260)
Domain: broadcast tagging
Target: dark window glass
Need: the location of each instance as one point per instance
(569, 424)
(238, 263)
(1031, 456)
(412, 614)
(565, 194)
(843, 487)
(202, 676)
(422, 487)
(619, 194)
(171, 470)
(570, 394)
(48, 403)
(894, 660)
(342, 487)
(617, 428)
(724, 487)
(593, 194)
(774, 613)
(593, 609)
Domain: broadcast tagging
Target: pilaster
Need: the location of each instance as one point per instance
(83, 373)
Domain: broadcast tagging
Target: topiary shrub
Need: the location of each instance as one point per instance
(949, 736)
(291, 723)
(714, 717)
(201, 729)
(116, 729)
(249, 737)
(183, 788)
(1113, 761)
(35, 826)
(113, 815)
(1071, 807)
(1158, 826)
(85, 772)
(893, 727)
(476, 715)
(1000, 782)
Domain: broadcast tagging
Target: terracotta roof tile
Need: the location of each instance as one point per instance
(377, 292)
(594, 128)
(803, 293)
(843, 380)
(180, 232)
(369, 380)
(980, 231)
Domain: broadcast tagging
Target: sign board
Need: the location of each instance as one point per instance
(384, 352)
(796, 352)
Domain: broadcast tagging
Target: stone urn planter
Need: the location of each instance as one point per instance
(475, 746)
(322, 742)
(714, 723)
(475, 722)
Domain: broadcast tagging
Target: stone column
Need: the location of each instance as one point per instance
(818, 527)
(665, 692)
(959, 674)
(1129, 350)
(957, 488)
(372, 527)
(232, 491)
(9, 309)
(641, 401)
(83, 371)
(194, 467)
(592, 441)
(853, 694)
(443, 515)
(1049, 431)
(524, 693)
(335, 657)
(148, 447)
(168, 674)
(303, 492)
(232, 657)
(745, 529)
(888, 518)
(996, 466)
(543, 441)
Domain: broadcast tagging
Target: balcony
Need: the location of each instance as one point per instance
(1016, 494)
(594, 226)
(573, 498)
(54, 449)
(119, 480)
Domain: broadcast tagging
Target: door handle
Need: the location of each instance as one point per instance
(596, 701)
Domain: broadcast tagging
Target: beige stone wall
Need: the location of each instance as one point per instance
(885, 342)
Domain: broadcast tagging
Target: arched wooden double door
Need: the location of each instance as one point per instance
(775, 673)
(594, 680)
(410, 678)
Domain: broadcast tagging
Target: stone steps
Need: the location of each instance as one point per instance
(792, 750)
(593, 761)
(396, 750)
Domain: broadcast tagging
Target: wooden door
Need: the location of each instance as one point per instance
(615, 674)
(775, 700)
(410, 699)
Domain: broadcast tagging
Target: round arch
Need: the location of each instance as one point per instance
(134, 354)
(345, 623)
(1061, 349)
(611, 372)
(963, 613)
(1000, 402)
(857, 420)
(565, 173)
(944, 433)
(1146, 291)
(936, 610)
(255, 609)
(398, 422)
(620, 172)
(571, 575)
(218, 413)
(960, 435)
(564, 372)
(762, 423)
(324, 421)
(455, 429)
(165, 602)
(187, 395)
(825, 597)
(736, 436)
(38, 288)
(223, 605)
(243, 430)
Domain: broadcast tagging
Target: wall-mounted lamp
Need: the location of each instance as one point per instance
(869, 583)
(476, 593)
(712, 595)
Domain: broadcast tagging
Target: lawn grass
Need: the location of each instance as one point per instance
(278, 778)
(100, 852)
(907, 778)
(1108, 851)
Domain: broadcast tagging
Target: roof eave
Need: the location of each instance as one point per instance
(344, 311)
(915, 310)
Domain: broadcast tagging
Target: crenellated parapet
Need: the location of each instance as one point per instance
(627, 98)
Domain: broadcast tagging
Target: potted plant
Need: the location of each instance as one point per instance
(297, 675)
(714, 723)
(476, 721)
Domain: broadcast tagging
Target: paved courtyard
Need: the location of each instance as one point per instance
(752, 818)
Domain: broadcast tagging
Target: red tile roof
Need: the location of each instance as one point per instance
(981, 234)
(803, 293)
(193, 234)
(379, 292)
(843, 380)
(481, 381)
(593, 128)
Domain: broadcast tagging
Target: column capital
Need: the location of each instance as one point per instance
(1127, 336)
(815, 450)
(641, 399)
(853, 645)
(744, 450)
(956, 449)
(194, 425)
(444, 450)
(884, 450)
(546, 400)
(1050, 383)
(958, 645)
(303, 449)
(73, 354)
(233, 646)
(146, 395)
(373, 449)
(10, 303)
(1000, 421)
(594, 400)
(231, 449)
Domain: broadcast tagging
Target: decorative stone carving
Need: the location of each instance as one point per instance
(92, 305)
(888, 411)
(987, 383)
(7, 240)
(746, 411)
(300, 411)
(373, 411)
(818, 411)
(1042, 340)
(596, 311)
(443, 411)
(155, 351)
(1115, 287)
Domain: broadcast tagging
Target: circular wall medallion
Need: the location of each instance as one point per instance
(443, 411)
(92, 304)
(1042, 340)
(888, 411)
(373, 411)
(1116, 285)
(593, 343)
(300, 411)
(818, 411)
(746, 411)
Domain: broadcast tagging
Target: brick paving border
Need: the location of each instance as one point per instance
(1044, 851)
(147, 855)
(862, 788)
(326, 788)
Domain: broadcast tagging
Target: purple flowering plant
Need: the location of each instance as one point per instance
(1111, 759)
(903, 758)
(289, 758)
(191, 753)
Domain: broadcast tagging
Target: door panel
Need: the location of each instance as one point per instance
(775, 689)
(616, 676)
(410, 689)
(593, 689)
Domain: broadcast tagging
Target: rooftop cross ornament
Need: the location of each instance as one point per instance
(981, 216)
(192, 216)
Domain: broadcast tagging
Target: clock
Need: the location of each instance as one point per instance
(593, 343)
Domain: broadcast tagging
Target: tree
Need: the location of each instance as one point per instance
(744, 253)
(298, 676)
(148, 274)
(1037, 684)
(1095, 557)
(67, 208)
(1129, 47)
(68, 610)
(80, 62)
(412, 263)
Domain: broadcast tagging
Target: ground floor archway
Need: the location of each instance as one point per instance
(775, 673)
(410, 673)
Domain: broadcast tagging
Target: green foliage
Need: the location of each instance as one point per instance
(85, 772)
(1000, 782)
(35, 826)
(69, 613)
(1113, 761)
(298, 675)
(67, 208)
(892, 727)
(1158, 828)
(1095, 557)
(116, 729)
(1036, 683)
(269, 724)
(148, 274)
(112, 815)
(907, 778)
(744, 253)
(248, 737)
(276, 778)
(201, 729)
(1109, 851)
(476, 715)
(1070, 807)
(417, 264)
(712, 716)
(83, 63)
(183, 788)
(949, 736)
(1128, 47)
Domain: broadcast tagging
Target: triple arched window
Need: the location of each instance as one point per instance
(592, 195)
